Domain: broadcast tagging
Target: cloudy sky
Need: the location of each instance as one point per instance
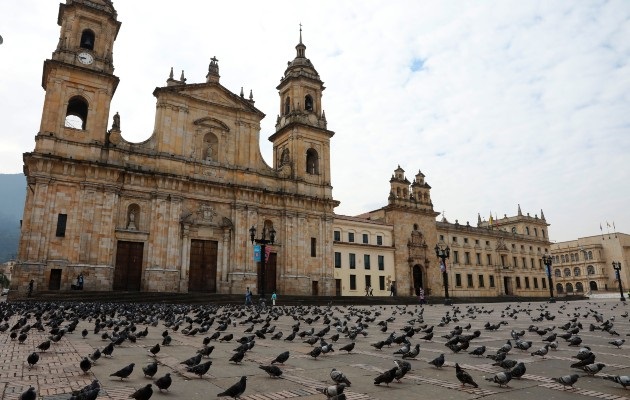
(498, 103)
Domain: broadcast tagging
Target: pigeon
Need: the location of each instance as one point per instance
(227, 338)
(44, 345)
(542, 351)
(200, 369)
(235, 391)
(502, 378)
(402, 368)
(85, 365)
(499, 356)
(413, 353)
(192, 361)
(144, 393)
(150, 369)
(506, 364)
(30, 394)
(167, 340)
(464, 377)
(339, 377)
(518, 371)
(108, 350)
(124, 372)
(282, 357)
(32, 359)
(84, 333)
(237, 357)
(333, 391)
(272, 370)
(155, 349)
(206, 351)
(567, 380)
(95, 356)
(478, 351)
(594, 368)
(88, 392)
(438, 361)
(623, 380)
(316, 352)
(349, 347)
(164, 382)
(378, 345)
(386, 377)
(617, 343)
(586, 361)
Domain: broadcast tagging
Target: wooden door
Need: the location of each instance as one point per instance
(55, 279)
(315, 288)
(337, 287)
(202, 275)
(507, 283)
(128, 270)
(270, 274)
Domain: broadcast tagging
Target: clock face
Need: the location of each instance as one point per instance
(85, 58)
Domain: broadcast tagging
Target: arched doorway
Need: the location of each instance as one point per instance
(592, 285)
(579, 287)
(569, 288)
(417, 279)
(559, 288)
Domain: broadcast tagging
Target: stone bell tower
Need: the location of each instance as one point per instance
(301, 143)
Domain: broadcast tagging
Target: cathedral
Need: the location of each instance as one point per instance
(182, 210)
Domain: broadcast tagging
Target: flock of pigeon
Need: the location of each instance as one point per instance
(321, 327)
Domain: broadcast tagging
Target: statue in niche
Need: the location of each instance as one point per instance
(209, 153)
(116, 123)
(285, 158)
(131, 224)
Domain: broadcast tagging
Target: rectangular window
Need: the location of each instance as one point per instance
(518, 282)
(352, 260)
(337, 236)
(366, 261)
(544, 283)
(478, 258)
(381, 263)
(366, 238)
(503, 260)
(455, 257)
(458, 280)
(465, 240)
(514, 261)
(379, 240)
(487, 243)
(469, 278)
(527, 282)
(491, 279)
(337, 259)
(442, 238)
(476, 241)
(535, 283)
(489, 256)
(351, 237)
(540, 264)
(532, 263)
(467, 258)
(61, 225)
(353, 282)
(368, 281)
(524, 262)
(381, 283)
(454, 239)
(313, 247)
(481, 282)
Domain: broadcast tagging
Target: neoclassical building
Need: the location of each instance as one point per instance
(173, 213)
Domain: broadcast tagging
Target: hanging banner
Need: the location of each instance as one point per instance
(257, 252)
(267, 252)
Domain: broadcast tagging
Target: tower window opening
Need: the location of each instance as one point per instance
(312, 162)
(76, 113)
(308, 103)
(287, 105)
(87, 40)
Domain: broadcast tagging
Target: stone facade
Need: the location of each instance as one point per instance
(584, 265)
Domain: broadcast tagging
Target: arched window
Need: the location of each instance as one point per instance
(308, 103)
(210, 147)
(415, 227)
(590, 270)
(87, 40)
(572, 257)
(526, 230)
(133, 217)
(562, 257)
(569, 288)
(576, 271)
(543, 232)
(536, 232)
(559, 288)
(76, 113)
(557, 273)
(579, 287)
(590, 255)
(567, 272)
(557, 259)
(592, 285)
(287, 105)
(312, 162)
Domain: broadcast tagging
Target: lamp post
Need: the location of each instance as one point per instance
(443, 254)
(617, 268)
(263, 242)
(548, 260)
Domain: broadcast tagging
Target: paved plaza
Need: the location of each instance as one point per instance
(57, 372)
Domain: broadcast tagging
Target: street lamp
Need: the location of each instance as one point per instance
(443, 254)
(548, 260)
(617, 268)
(263, 242)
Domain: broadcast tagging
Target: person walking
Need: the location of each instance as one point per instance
(30, 287)
(80, 282)
(248, 297)
(273, 298)
(421, 296)
(392, 290)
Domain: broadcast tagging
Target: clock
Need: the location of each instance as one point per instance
(85, 58)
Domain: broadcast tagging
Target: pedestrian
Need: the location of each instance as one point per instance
(421, 296)
(367, 290)
(392, 290)
(80, 282)
(30, 287)
(273, 298)
(371, 294)
(248, 297)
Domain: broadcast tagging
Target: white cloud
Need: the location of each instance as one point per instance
(515, 102)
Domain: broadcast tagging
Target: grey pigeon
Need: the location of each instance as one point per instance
(282, 357)
(30, 394)
(438, 361)
(316, 352)
(413, 353)
(144, 393)
(463, 376)
(32, 359)
(339, 377)
(386, 377)
(124, 372)
(506, 364)
(518, 370)
(150, 369)
(502, 378)
(85, 365)
(567, 380)
(333, 391)
(235, 391)
(200, 369)
(349, 347)
(155, 349)
(623, 380)
(237, 357)
(272, 370)
(192, 361)
(594, 368)
(164, 382)
(402, 368)
(478, 351)
(542, 351)
(617, 342)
